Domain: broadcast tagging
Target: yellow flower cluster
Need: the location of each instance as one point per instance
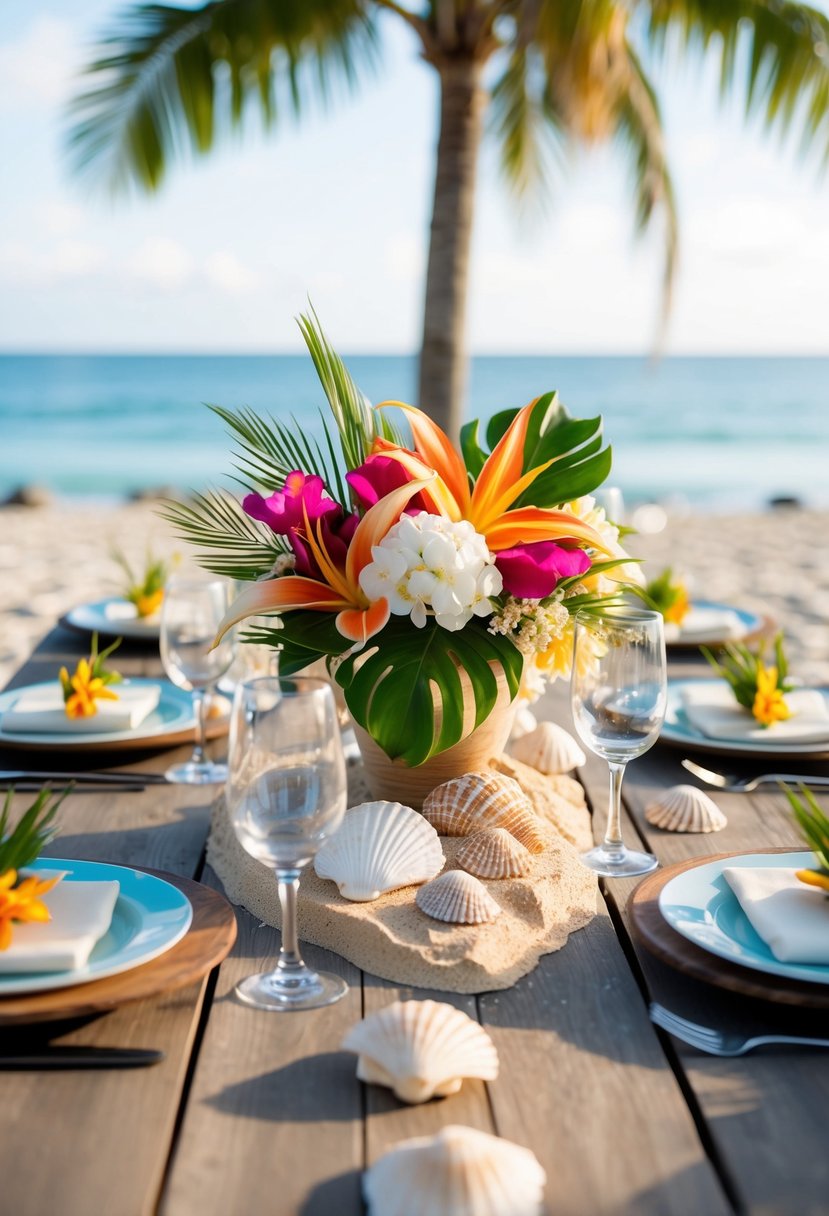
(22, 903)
(86, 690)
(769, 706)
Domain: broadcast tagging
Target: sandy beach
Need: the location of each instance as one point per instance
(775, 563)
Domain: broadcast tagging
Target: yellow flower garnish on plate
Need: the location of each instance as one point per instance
(769, 706)
(814, 827)
(668, 595)
(89, 683)
(146, 590)
(758, 688)
(21, 900)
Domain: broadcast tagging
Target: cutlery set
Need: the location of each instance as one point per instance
(79, 782)
(716, 1042)
(64, 1058)
(731, 784)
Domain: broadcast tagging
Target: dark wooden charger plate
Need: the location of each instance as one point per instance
(208, 940)
(654, 932)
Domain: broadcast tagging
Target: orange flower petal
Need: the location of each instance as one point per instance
(289, 591)
(502, 468)
(5, 932)
(359, 624)
(528, 524)
(438, 451)
(437, 496)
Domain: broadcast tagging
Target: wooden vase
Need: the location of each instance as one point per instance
(397, 781)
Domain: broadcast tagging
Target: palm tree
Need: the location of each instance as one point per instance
(171, 79)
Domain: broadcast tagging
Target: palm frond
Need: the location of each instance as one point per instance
(230, 544)
(157, 88)
(639, 130)
(518, 121)
(787, 76)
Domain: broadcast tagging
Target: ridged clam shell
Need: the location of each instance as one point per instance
(460, 1171)
(684, 808)
(380, 846)
(523, 722)
(421, 1049)
(549, 748)
(457, 897)
(484, 800)
(493, 853)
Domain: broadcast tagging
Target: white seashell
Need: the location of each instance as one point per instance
(684, 808)
(484, 800)
(421, 1049)
(378, 847)
(550, 749)
(494, 853)
(458, 898)
(458, 1172)
(523, 722)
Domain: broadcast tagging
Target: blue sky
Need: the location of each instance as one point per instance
(338, 208)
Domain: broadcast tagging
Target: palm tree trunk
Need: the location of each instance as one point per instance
(443, 363)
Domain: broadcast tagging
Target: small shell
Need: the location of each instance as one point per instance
(459, 1171)
(421, 1049)
(684, 808)
(484, 800)
(457, 897)
(550, 749)
(380, 846)
(493, 853)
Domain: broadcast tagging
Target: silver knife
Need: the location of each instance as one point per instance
(97, 778)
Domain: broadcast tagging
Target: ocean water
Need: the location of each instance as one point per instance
(714, 433)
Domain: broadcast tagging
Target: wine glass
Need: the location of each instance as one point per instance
(191, 611)
(618, 694)
(286, 794)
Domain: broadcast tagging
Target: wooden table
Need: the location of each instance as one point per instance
(261, 1113)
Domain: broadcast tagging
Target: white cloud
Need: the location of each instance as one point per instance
(36, 69)
(225, 271)
(59, 216)
(25, 265)
(405, 259)
(162, 262)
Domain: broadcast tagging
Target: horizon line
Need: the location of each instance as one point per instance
(300, 352)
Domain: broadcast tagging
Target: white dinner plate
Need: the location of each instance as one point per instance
(114, 617)
(171, 722)
(150, 916)
(701, 906)
(678, 730)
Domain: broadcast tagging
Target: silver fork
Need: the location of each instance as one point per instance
(731, 784)
(719, 1042)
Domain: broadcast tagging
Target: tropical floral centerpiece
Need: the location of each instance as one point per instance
(21, 897)
(415, 569)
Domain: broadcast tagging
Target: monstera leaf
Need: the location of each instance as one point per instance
(395, 684)
(301, 637)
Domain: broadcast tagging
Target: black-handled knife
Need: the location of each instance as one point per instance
(79, 1057)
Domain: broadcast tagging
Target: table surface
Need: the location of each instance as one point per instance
(254, 1112)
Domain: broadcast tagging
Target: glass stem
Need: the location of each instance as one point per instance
(613, 834)
(200, 711)
(290, 961)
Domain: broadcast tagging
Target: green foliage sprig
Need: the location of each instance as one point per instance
(23, 844)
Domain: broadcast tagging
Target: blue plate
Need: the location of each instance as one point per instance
(678, 730)
(150, 916)
(751, 624)
(701, 906)
(172, 717)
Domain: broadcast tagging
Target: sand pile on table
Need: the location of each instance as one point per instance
(392, 938)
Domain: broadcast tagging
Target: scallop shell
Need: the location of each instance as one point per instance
(684, 808)
(550, 749)
(493, 853)
(457, 897)
(484, 800)
(523, 722)
(459, 1171)
(421, 1049)
(380, 846)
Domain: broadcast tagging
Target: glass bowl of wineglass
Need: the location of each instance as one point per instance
(618, 693)
(191, 612)
(286, 794)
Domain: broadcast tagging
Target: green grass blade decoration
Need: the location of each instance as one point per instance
(21, 845)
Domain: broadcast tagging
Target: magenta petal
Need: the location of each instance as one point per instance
(531, 572)
(286, 509)
(376, 477)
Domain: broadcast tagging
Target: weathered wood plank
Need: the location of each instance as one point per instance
(274, 1121)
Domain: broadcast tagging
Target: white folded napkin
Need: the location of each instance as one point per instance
(81, 914)
(711, 708)
(122, 611)
(40, 710)
(709, 624)
(792, 919)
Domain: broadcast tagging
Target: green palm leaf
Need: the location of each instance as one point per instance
(231, 544)
(391, 687)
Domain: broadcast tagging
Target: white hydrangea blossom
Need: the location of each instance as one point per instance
(427, 564)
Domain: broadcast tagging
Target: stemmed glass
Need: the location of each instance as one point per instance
(618, 694)
(286, 794)
(191, 611)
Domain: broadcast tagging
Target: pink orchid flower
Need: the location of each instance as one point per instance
(376, 477)
(531, 572)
